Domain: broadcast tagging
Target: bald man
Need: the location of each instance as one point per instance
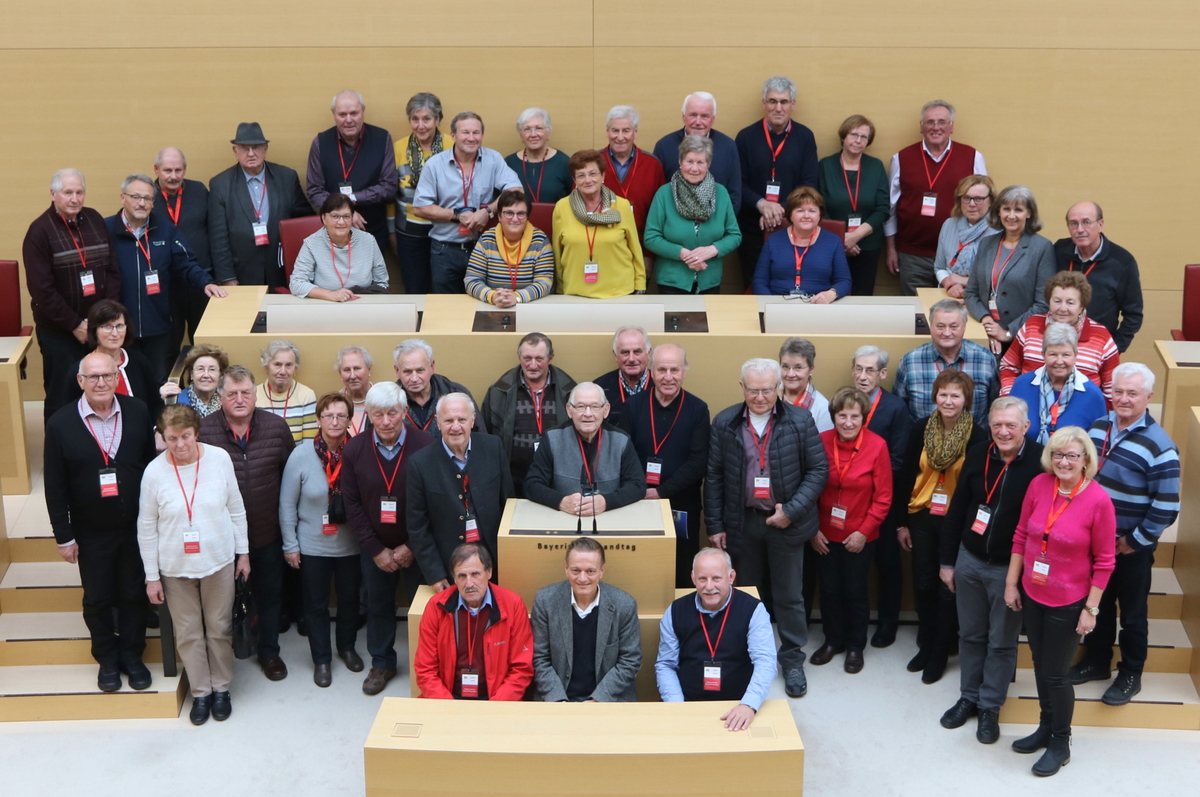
(184, 203)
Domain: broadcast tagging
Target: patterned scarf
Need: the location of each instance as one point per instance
(694, 202)
(416, 159)
(971, 235)
(943, 447)
(330, 459)
(1046, 401)
(602, 216)
(205, 410)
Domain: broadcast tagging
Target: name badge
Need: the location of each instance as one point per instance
(929, 204)
(982, 518)
(653, 471)
(88, 280)
(938, 502)
(472, 529)
(108, 483)
(387, 509)
(347, 190)
(536, 443)
(837, 517)
(1041, 572)
(261, 236)
(853, 223)
(772, 194)
(468, 683)
(327, 528)
(591, 271)
(152, 285)
(762, 486)
(191, 542)
(712, 676)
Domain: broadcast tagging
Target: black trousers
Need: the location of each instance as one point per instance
(937, 613)
(890, 574)
(845, 606)
(414, 254)
(346, 574)
(188, 304)
(381, 608)
(111, 570)
(158, 352)
(863, 268)
(750, 249)
(1052, 640)
(1129, 587)
(266, 582)
(687, 548)
(61, 354)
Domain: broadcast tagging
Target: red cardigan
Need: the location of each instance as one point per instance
(507, 647)
(866, 493)
(642, 182)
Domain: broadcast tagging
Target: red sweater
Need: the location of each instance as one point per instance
(866, 491)
(917, 234)
(1098, 355)
(642, 182)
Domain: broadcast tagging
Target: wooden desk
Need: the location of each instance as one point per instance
(1181, 391)
(431, 748)
(14, 464)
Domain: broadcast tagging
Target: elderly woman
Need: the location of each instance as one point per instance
(190, 532)
(856, 500)
(855, 188)
(325, 267)
(936, 450)
(108, 326)
(1067, 295)
(1010, 271)
(424, 112)
(282, 395)
(596, 245)
(1063, 553)
(800, 260)
(312, 518)
(354, 364)
(691, 225)
(513, 261)
(1057, 393)
(797, 361)
(201, 371)
(958, 242)
(542, 169)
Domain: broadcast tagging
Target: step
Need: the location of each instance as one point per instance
(1168, 701)
(68, 692)
(1170, 649)
(1164, 554)
(47, 638)
(33, 549)
(1166, 596)
(41, 587)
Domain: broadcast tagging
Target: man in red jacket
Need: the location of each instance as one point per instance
(476, 642)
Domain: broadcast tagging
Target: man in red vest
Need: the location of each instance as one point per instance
(924, 177)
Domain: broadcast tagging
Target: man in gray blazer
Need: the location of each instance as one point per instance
(587, 643)
(246, 202)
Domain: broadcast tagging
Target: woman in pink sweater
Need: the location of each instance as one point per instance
(1064, 551)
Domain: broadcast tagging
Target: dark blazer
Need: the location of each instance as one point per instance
(1021, 290)
(231, 216)
(363, 486)
(893, 423)
(193, 218)
(618, 644)
(435, 511)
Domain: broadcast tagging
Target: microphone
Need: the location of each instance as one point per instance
(589, 491)
(506, 320)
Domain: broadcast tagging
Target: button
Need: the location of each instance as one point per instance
(460, 517)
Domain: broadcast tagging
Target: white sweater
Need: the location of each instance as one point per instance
(218, 514)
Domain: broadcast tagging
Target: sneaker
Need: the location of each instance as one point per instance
(795, 684)
(1123, 689)
(1085, 671)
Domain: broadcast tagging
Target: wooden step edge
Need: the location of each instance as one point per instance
(51, 652)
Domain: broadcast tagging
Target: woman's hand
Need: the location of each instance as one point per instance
(824, 297)
(242, 568)
(820, 543)
(852, 250)
(956, 291)
(904, 537)
(855, 542)
(1012, 597)
(168, 390)
(293, 559)
(504, 298)
(154, 591)
(1086, 623)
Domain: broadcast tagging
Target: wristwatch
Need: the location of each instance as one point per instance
(1094, 611)
(491, 213)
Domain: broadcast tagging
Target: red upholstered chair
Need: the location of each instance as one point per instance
(292, 233)
(10, 301)
(542, 217)
(1191, 299)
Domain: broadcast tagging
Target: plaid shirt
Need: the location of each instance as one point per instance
(920, 367)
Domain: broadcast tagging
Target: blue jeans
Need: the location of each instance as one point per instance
(448, 263)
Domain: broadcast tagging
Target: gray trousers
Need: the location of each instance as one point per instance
(766, 559)
(987, 631)
(916, 272)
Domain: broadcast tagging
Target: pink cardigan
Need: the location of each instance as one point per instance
(1083, 542)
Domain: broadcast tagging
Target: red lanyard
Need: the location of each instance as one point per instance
(74, 240)
(536, 396)
(961, 246)
(1071, 267)
(349, 259)
(712, 649)
(1053, 515)
(513, 267)
(775, 152)
(874, 404)
(471, 619)
(587, 468)
(425, 426)
(857, 183)
(800, 257)
(537, 195)
(621, 386)
(109, 453)
(467, 493)
(195, 484)
(997, 272)
(395, 470)
(762, 444)
(620, 184)
(653, 434)
(271, 398)
(591, 231)
(925, 163)
(333, 476)
(466, 184)
(1104, 448)
(174, 214)
(1054, 412)
(235, 434)
(261, 199)
(342, 158)
(837, 458)
(140, 245)
(999, 476)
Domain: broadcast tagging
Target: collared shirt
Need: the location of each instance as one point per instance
(760, 642)
(583, 613)
(639, 386)
(1081, 263)
(622, 169)
(461, 464)
(442, 184)
(462, 604)
(921, 366)
(1140, 470)
(138, 232)
(389, 452)
(255, 183)
(107, 430)
(889, 227)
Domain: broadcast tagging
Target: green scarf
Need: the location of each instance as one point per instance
(694, 202)
(944, 447)
(602, 216)
(416, 161)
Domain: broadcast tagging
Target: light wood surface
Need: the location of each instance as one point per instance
(5, 553)
(1187, 544)
(68, 692)
(1167, 700)
(14, 463)
(1181, 390)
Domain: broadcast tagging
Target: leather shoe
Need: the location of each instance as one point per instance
(109, 678)
(222, 706)
(957, 715)
(795, 684)
(918, 662)
(934, 670)
(825, 653)
(139, 676)
(354, 662)
(988, 730)
(322, 676)
(1123, 689)
(885, 635)
(854, 661)
(1085, 671)
(201, 707)
(376, 680)
(273, 668)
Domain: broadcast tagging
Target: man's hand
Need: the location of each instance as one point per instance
(1123, 545)
(947, 576)
(385, 562)
(154, 591)
(717, 540)
(69, 553)
(739, 717)
(820, 543)
(893, 257)
(652, 494)
(592, 505)
(227, 283)
(779, 520)
(403, 556)
(771, 213)
(440, 585)
(358, 222)
(904, 537)
(570, 503)
(242, 568)
(293, 559)
(956, 291)
(215, 291)
(478, 220)
(80, 332)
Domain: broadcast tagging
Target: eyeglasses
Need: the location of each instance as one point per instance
(108, 329)
(587, 175)
(341, 218)
(763, 393)
(514, 214)
(858, 137)
(935, 123)
(858, 369)
(139, 199)
(1065, 455)
(1076, 225)
(93, 379)
(592, 408)
(339, 418)
(533, 129)
(975, 200)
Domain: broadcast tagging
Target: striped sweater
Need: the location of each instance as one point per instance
(298, 407)
(1097, 357)
(487, 269)
(1140, 471)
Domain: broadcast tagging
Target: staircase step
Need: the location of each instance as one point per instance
(1168, 701)
(1170, 649)
(41, 587)
(68, 692)
(46, 638)
(33, 549)
(1166, 596)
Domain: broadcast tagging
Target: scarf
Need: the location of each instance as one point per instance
(971, 235)
(416, 160)
(602, 216)
(1046, 401)
(205, 410)
(944, 447)
(694, 202)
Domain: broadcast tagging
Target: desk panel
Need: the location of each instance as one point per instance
(14, 462)
(1181, 391)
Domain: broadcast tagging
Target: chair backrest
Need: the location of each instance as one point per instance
(10, 298)
(834, 226)
(292, 233)
(542, 217)
(1191, 300)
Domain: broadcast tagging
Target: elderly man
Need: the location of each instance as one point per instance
(924, 177)
(631, 349)
(354, 364)
(94, 463)
(282, 395)
(69, 266)
(525, 402)
(766, 471)
(190, 217)
(699, 114)
(670, 430)
(375, 468)
(456, 490)
(890, 420)
(632, 173)
(155, 263)
(358, 160)
(1139, 467)
(1110, 270)
(259, 445)
(588, 467)
(702, 656)
(947, 349)
(457, 192)
(585, 650)
(246, 202)
(414, 364)
(778, 155)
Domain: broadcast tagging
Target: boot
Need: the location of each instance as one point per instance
(1036, 740)
(1057, 756)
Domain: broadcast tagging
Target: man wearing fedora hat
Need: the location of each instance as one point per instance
(246, 202)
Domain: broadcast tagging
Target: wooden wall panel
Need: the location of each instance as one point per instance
(1187, 546)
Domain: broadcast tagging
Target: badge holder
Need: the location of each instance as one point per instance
(653, 471)
(1041, 571)
(327, 528)
(472, 527)
(261, 236)
(929, 204)
(939, 501)
(837, 517)
(712, 676)
(191, 542)
(387, 509)
(854, 222)
(87, 281)
(152, 283)
(347, 190)
(468, 682)
(982, 518)
(772, 194)
(108, 483)
(591, 271)
(762, 486)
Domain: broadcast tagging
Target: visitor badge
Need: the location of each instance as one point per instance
(762, 486)
(712, 676)
(837, 517)
(982, 518)
(191, 542)
(468, 683)
(108, 482)
(591, 271)
(773, 192)
(472, 528)
(853, 223)
(347, 190)
(1041, 572)
(938, 502)
(152, 285)
(261, 236)
(328, 528)
(88, 280)
(929, 205)
(387, 509)
(653, 471)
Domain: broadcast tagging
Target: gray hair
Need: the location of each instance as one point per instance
(385, 396)
(158, 159)
(1058, 334)
(662, 346)
(938, 104)
(359, 350)
(1134, 369)
(694, 143)
(136, 178)
(622, 330)
(409, 346)
(948, 306)
(423, 101)
(622, 112)
(703, 552)
(1010, 403)
(577, 388)
(276, 346)
(779, 83)
(699, 95)
(867, 351)
(763, 366)
(530, 113)
(347, 93)
(1010, 195)
(234, 373)
(437, 408)
(56, 182)
(463, 116)
(799, 347)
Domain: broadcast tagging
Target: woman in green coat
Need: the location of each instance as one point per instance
(691, 225)
(855, 188)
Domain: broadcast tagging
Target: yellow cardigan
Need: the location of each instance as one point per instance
(615, 247)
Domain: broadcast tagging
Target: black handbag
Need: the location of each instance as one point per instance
(245, 621)
(337, 509)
